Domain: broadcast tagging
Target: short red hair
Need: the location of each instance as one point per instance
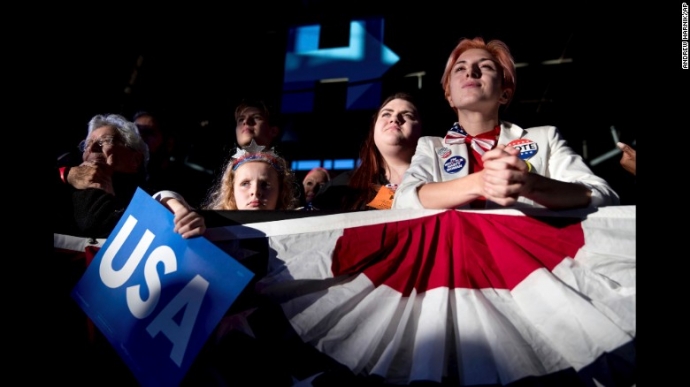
(498, 49)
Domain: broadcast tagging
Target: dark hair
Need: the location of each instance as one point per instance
(266, 109)
(366, 176)
(157, 121)
(143, 113)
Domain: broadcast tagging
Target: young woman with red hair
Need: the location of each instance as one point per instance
(484, 162)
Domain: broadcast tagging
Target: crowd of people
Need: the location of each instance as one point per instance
(504, 164)
(481, 162)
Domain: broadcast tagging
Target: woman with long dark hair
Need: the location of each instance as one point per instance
(385, 157)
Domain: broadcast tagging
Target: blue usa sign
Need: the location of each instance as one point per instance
(155, 295)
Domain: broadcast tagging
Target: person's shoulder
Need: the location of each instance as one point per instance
(429, 140)
(541, 131)
(532, 129)
(543, 128)
(333, 193)
(342, 179)
(549, 132)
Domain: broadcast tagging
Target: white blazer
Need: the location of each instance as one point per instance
(547, 151)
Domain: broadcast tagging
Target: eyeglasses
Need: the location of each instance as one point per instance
(105, 140)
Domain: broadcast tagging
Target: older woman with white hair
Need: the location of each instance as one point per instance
(93, 195)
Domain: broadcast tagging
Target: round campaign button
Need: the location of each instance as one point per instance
(443, 152)
(454, 164)
(527, 147)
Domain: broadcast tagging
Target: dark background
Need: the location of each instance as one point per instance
(192, 66)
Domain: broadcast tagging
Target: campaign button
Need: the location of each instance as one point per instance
(443, 152)
(527, 147)
(454, 164)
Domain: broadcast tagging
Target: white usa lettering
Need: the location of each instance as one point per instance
(189, 298)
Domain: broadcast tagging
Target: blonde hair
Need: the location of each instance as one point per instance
(222, 196)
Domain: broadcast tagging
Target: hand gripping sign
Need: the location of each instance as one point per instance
(155, 295)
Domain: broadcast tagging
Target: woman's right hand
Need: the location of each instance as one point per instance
(91, 175)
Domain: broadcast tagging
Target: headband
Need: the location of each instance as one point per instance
(255, 152)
